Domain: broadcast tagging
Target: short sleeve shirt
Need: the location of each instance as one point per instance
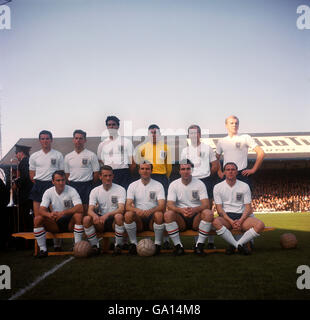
(59, 202)
(187, 195)
(107, 201)
(233, 199)
(146, 197)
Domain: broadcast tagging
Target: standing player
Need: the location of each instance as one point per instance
(233, 203)
(202, 155)
(61, 210)
(188, 209)
(235, 148)
(81, 168)
(110, 200)
(145, 208)
(42, 164)
(117, 152)
(158, 153)
(24, 186)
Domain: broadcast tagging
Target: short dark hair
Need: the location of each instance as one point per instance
(186, 161)
(112, 118)
(106, 167)
(79, 131)
(146, 162)
(194, 126)
(59, 172)
(230, 163)
(46, 132)
(153, 126)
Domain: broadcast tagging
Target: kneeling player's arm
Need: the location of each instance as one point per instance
(119, 210)
(76, 209)
(247, 211)
(171, 206)
(204, 205)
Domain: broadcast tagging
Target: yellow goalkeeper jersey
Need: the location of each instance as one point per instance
(158, 154)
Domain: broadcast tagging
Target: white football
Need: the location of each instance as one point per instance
(146, 248)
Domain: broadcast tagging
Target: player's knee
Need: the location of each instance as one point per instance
(38, 221)
(129, 216)
(119, 219)
(78, 218)
(259, 227)
(169, 216)
(158, 217)
(207, 215)
(87, 221)
(217, 224)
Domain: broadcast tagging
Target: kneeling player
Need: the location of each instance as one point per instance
(110, 199)
(66, 212)
(187, 209)
(145, 206)
(233, 203)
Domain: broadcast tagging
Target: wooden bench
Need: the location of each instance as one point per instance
(106, 239)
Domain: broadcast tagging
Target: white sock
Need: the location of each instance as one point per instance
(158, 230)
(119, 232)
(227, 236)
(78, 232)
(39, 234)
(248, 236)
(91, 236)
(173, 232)
(203, 229)
(211, 239)
(131, 229)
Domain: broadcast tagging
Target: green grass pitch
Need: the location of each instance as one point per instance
(269, 273)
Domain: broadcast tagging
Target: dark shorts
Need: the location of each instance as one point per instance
(122, 177)
(83, 189)
(162, 178)
(146, 222)
(209, 183)
(63, 223)
(38, 190)
(234, 216)
(188, 221)
(108, 224)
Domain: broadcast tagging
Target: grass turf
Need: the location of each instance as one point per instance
(269, 273)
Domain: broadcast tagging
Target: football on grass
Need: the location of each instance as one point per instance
(82, 249)
(146, 248)
(288, 241)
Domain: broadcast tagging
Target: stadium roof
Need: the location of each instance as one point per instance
(277, 146)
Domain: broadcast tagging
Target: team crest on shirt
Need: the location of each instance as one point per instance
(238, 145)
(53, 162)
(114, 200)
(239, 197)
(152, 195)
(68, 203)
(84, 162)
(163, 154)
(195, 194)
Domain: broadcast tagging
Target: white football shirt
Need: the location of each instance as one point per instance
(81, 165)
(108, 201)
(66, 200)
(232, 199)
(200, 156)
(187, 195)
(116, 153)
(235, 149)
(145, 197)
(45, 164)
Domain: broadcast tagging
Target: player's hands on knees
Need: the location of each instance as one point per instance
(140, 212)
(95, 219)
(102, 220)
(237, 225)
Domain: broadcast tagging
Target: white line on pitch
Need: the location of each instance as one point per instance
(39, 279)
